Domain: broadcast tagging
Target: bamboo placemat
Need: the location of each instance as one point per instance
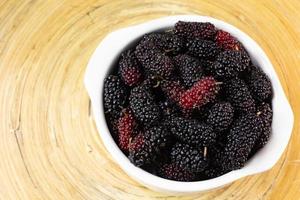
(49, 146)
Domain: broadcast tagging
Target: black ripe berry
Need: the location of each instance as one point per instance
(189, 69)
(143, 105)
(189, 158)
(130, 69)
(203, 49)
(173, 172)
(145, 147)
(229, 63)
(114, 94)
(239, 95)
(220, 115)
(265, 113)
(195, 30)
(241, 139)
(168, 43)
(154, 62)
(259, 84)
(193, 132)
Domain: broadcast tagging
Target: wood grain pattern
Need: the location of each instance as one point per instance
(49, 146)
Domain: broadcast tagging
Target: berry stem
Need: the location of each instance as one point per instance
(157, 84)
(205, 152)
(169, 31)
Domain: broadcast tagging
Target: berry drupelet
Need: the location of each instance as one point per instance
(239, 95)
(259, 84)
(227, 41)
(189, 69)
(172, 90)
(143, 105)
(203, 49)
(192, 132)
(265, 113)
(168, 43)
(241, 138)
(154, 62)
(220, 116)
(114, 95)
(168, 109)
(140, 150)
(202, 92)
(129, 69)
(126, 129)
(202, 113)
(228, 64)
(188, 157)
(195, 30)
(216, 156)
(145, 147)
(173, 172)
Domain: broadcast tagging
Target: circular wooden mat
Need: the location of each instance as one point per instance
(50, 148)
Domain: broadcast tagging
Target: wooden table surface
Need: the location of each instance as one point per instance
(49, 146)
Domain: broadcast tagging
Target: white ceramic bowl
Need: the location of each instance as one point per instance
(105, 56)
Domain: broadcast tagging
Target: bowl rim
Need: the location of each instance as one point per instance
(109, 50)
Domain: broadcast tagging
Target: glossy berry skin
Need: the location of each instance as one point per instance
(203, 49)
(193, 132)
(145, 147)
(216, 160)
(114, 95)
(173, 172)
(172, 90)
(239, 95)
(189, 68)
(126, 129)
(168, 43)
(227, 41)
(195, 30)
(259, 84)
(143, 105)
(228, 64)
(241, 139)
(202, 92)
(221, 115)
(189, 158)
(265, 113)
(214, 172)
(167, 109)
(245, 57)
(140, 151)
(130, 69)
(202, 113)
(154, 62)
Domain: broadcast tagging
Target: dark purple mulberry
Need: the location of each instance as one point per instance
(195, 30)
(193, 132)
(154, 62)
(220, 116)
(259, 84)
(129, 69)
(114, 94)
(241, 139)
(189, 158)
(203, 49)
(189, 69)
(239, 96)
(143, 105)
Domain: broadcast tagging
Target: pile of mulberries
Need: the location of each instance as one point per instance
(188, 104)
